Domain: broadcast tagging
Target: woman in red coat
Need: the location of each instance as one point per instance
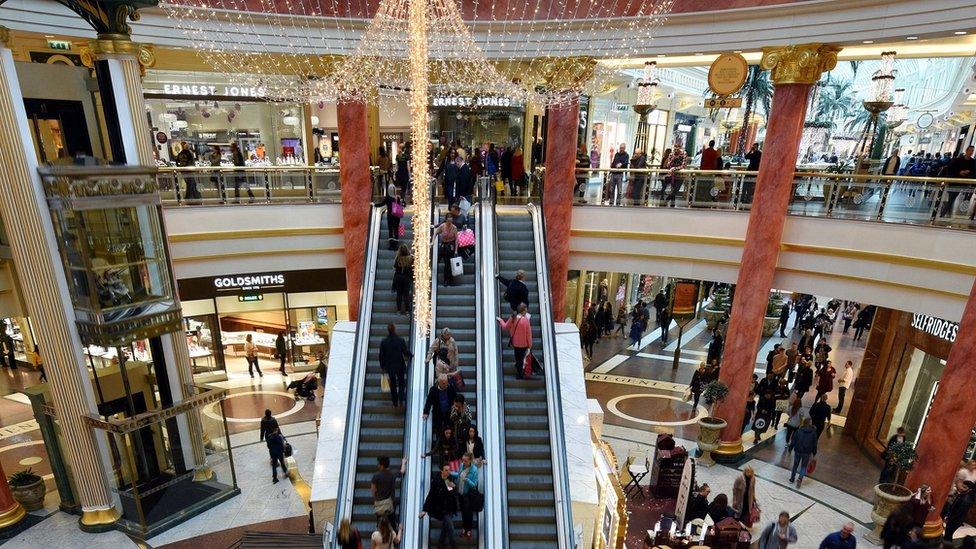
(518, 172)
(520, 335)
(825, 379)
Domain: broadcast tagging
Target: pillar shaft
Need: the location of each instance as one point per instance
(794, 70)
(31, 233)
(356, 194)
(560, 181)
(950, 419)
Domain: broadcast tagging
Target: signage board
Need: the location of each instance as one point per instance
(942, 329)
(684, 300)
(249, 298)
(236, 283)
(480, 101)
(727, 74)
(62, 45)
(684, 491)
(230, 90)
(723, 103)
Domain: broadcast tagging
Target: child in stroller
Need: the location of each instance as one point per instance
(305, 387)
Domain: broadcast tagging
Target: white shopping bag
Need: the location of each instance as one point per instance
(457, 266)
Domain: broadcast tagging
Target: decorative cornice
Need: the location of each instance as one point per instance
(156, 416)
(799, 64)
(118, 44)
(4, 36)
(69, 183)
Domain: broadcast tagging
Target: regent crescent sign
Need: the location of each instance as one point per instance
(935, 326)
(249, 282)
(205, 89)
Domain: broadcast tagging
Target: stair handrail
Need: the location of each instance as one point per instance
(350, 447)
(560, 473)
(494, 530)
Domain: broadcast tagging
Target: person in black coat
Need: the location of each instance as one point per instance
(440, 399)
(281, 351)
(276, 448)
(441, 504)
(465, 180)
(393, 355)
(956, 511)
(268, 424)
(784, 319)
(660, 303)
(471, 443)
(804, 379)
(820, 414)
(715, 347)
(698, 504)
(516, 292)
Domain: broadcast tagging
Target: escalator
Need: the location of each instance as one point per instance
(456, 308)
(374, 428)
(538, 513)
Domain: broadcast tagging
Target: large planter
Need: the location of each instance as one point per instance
(887, 497)
(713, 317)
(770, 325)
(30, 496)
(709, 432)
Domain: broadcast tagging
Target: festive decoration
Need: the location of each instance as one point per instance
(418, 165)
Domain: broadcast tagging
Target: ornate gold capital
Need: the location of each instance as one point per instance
(568, 73)
(799, 64)
(118, 44)
(4, 36)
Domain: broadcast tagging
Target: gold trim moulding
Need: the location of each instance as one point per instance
(12, 516)
(99, 517)
(729, 448)
(932, 530)
(263, 254)
(256, 233)
(799, 63)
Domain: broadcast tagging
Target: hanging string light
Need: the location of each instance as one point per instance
(420, 171)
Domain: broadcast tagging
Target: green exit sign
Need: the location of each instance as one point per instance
(62, 45)
(246, 298)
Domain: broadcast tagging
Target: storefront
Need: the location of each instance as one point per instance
(475, 121)
(207, 109)
(585, 288)
(899, 376)
(220, 312)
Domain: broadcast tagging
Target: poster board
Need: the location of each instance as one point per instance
(684, 491)
(684, 301)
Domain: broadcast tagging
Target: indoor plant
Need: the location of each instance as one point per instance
(715, 311)
(771, 322)
(28, 489)
(888, 496)
(709, 427)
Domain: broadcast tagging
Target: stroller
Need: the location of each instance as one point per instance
(305, 387)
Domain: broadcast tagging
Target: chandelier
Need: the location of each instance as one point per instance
(648, 92)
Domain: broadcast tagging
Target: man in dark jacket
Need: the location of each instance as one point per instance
(698, 504)
(638, 162)
(804, 379)
(959, 167)
(441, 504)
(660, 303)
(804, 446)
(820, 414)
(784, 318)
(465, 179)
(956, 512)
(516, 292)
(440, 399)
(281, 350)
(393, 355)
(276, 448)
(268, 424)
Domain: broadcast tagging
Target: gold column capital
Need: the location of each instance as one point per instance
(118, 44)
(4, 37)
(568, 73)
(799, 64)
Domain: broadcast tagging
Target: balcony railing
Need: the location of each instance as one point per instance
(893, 199)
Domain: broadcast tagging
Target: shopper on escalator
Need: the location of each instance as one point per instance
(516, 292)
(472, 444)
(440, 398)
(466, 177)
(393, 361)
(394, 212)
(519, 328)
(403, 278)
(447, 248)
(441, 504)
(471, 499)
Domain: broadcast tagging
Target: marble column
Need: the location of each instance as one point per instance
(560, 182)
(11, 512)
(357, 192)
(30, 229)
(794, 69)
(949, 422)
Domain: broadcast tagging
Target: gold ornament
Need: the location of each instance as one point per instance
(568, 73)
(800, 64)
(118, 44)
(4, 36)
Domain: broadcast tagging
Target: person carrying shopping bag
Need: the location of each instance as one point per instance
(519, 328)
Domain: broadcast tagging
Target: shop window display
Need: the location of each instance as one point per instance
(202, 339)
(921, 381)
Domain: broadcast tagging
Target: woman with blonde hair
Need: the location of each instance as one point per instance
(744, 497)
(348, 536)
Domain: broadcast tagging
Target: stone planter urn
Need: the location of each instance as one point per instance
(30, 496)
(713, 317)
(709, 431)
(770, 325)
(887, 497)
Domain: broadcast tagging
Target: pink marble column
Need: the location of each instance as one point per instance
(950, 420)
(357, 192)
(558, 201)
(759, 255)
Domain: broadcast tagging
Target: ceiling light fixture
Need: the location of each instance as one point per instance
(911, 38)
(959, 33)
(868, 42)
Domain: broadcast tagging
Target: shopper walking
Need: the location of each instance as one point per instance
(796, 416)
(825, 379)
(840, 540)
(698, 381)
(403, 278)
(820, 414)
(441, 504)
(520, 336)
(621, 160)
(803, 444)
(276, 449)
(281, 351)
(240, 178)
(638, 180)
(251, 355)
(621, 321)
(516, 292)
(660, 304)
(268, 424)
(744, 496)
(804, 378)
(393, 361)
(588, 333)
(394, 212)
(778, 534)
(863, 322)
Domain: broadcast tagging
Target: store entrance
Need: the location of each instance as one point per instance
(263, 320)
(59, 128)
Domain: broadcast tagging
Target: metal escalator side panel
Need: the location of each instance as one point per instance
(564, 511)
(347, 476)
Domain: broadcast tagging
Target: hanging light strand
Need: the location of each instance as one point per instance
(419, 167)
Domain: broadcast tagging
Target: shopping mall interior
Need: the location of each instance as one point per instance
(441, 273)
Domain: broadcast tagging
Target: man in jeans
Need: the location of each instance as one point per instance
(383, 487)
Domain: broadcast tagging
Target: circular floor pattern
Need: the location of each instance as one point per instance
(25, 454)
(655, 409)
(251, 410)
(33, 460)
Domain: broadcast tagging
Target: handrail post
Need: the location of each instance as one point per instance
(937, 204)
(222, 187)
(267, 186)
(885, 190)
(737, 183)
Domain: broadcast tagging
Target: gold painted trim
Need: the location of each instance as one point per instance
(862, 280)
(238, 255)
(99, 517)
(254, 233)
(13, 515)
(634, 255)
(881, 257)
(932, 530)
(729, 448)
(659, 237)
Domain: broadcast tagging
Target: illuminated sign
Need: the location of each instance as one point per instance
(246, 298)
(62, 45)
(942, 329)
(206, 89)
(474, 102)
(249, 282)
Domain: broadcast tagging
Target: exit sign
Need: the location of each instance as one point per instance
(247, 298)
(62, 45)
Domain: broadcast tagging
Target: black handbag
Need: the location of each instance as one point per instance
(288, 450)
(477, 501)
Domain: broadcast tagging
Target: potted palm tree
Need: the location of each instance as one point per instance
(709, 427)
(28, 489)
(771, 321)
(889, 495)
(715, 311)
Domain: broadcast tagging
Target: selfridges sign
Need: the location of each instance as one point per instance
(248, 282)
(935, 326)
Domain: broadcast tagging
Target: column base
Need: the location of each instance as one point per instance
(933, 530)
(12, 516)
(728, 451)
(202, 474)
(95, 521)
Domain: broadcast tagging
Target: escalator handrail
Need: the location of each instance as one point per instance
(495, 531)
(350, 448)
(560, 473)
